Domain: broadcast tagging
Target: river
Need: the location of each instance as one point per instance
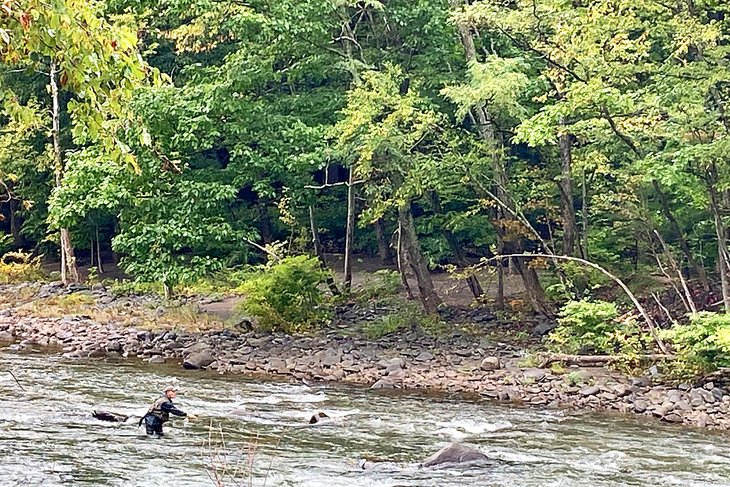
(48, 437)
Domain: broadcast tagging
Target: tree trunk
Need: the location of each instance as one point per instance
(584, 214)
(265, 223)
(570, 228)
(474, 285)
(16, 222)
(317, 249)
(350, 230)
(695, 268)
(485, 128)
(384, 251)
(98, 251)
(402, 259)
(723, 259)
(69, 268)
(428, 295)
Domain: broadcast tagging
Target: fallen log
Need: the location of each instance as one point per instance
(109, 416)
(586, 360)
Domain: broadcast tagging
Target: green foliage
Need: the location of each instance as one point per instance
(381, 284)
(285, 294)
(408, 316)
(704, 343)
(591, 326)
(18, 267)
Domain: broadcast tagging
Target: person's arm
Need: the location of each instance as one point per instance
(169, 407)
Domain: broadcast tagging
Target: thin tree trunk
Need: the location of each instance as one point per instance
(384, 251)
(429, 298)
(401, 264)
(474, 285)
(570, 228)
(98, 250)
(584, 214)
(695, 268)
(69, 268)
(350, 230)
(485, 128)
(317, 248)
(15, 223)
(265, 223)
(723, 258)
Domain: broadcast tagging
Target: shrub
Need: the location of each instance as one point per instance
(285, 294)
(408, 316)
(591, 326)
(704, 343)
(381, 284)
(20, 267)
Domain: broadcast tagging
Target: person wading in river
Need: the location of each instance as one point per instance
(160, 411)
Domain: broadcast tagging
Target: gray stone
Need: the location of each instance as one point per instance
(454, 454)
(424, 357)
(640, 406)
(384, 363)
(673, 418)
(590, 391)
(383, 384)
(621, 390)
(491, 363)
(535, 375)
(394, 367)
(198, 360)
(156, 359)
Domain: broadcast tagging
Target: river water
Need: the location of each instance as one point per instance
(48, 437)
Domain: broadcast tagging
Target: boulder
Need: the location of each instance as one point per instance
(198, 360)
(454, 454)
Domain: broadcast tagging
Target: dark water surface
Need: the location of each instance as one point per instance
(48, 437)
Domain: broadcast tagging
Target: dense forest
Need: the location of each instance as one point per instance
(191, 136)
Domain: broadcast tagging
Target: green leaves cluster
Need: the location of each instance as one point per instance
(285, 295)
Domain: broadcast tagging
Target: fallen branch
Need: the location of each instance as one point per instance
(647, 318)
(16, 380)
(584, 360)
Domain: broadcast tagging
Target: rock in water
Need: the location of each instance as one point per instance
(318, 418)
(108, 416)
(455, 453)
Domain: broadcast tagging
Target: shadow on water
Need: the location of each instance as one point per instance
(48, 437)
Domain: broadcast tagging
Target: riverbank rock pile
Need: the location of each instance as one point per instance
(459, 363)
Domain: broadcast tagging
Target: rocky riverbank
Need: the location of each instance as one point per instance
(458, 363)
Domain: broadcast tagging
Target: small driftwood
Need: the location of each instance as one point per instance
(109, 416)
(588, 360)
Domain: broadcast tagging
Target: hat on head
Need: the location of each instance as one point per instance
(170, 388)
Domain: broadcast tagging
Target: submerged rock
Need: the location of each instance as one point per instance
(455, 454)
(318, 418)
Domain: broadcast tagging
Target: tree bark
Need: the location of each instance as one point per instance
(384, 251)
(350, 230)
(69, 268)
(16, 223)
(429, 298)
(317, 249)
(98, 250)
(570, 228)
(402, 259)
(695, 268)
